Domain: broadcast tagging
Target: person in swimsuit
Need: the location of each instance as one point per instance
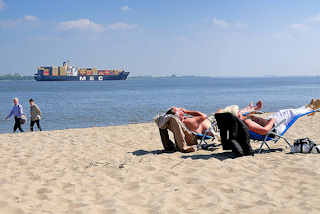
(199, 122)
(280, 119)
(184, 123)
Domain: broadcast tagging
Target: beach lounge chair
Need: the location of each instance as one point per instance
(203, 141)
(234, 134)
(181, 133)
(184, 138)
(273, 136)
(206, 137)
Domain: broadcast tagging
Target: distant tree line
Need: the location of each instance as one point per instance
(15, 76)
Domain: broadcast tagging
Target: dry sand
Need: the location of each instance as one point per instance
(120, 169)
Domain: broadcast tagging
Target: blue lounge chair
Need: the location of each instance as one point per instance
(203, 138)
(273, 136)
(203, 141)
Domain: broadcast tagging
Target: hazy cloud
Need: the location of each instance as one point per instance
(315, 18)
(220, 22)
(230, 25)
(80, 24)
(86, 24)
(299, 27)
(122, 26)
(14, 22)
(30, 18)
(8, 23)
(241, 25)
(306, 24)
(2, 4)
(125, 8)
(295, 31)
(282, 36)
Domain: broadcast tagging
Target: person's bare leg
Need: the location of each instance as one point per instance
(314, 105)
(258, 106)
(311, 104)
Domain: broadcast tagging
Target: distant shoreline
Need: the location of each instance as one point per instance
(15, 77)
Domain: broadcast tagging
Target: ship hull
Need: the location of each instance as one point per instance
(121, 76)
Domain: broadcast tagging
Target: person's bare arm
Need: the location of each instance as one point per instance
(194, 113)
(255, 127)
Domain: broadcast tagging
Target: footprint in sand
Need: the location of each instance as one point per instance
(68, 187)
(42, 193)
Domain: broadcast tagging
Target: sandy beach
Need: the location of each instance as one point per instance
(121, 169)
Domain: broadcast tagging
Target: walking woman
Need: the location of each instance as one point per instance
(35, 115)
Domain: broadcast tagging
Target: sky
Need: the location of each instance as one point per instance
(192, 37)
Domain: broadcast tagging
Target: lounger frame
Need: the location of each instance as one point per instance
(276, 137)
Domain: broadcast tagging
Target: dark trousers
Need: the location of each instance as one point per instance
(168, 145)
(17, 125)
(32, 124)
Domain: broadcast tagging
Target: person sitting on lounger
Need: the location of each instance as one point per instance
(263, 126)
(195, 121)
(185, 140)
(199, 122)
(182, 123)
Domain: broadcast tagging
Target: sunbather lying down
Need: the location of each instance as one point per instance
(263, 126)
(199, 122)
(183, 124)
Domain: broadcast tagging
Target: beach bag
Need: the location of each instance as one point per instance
(23, 119)
(303, 145)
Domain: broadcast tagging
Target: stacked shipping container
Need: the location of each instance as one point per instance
(61, 71)
(87, 71)
(55, 71)
(109, 72)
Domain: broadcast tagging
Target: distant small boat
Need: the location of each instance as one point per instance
(71, 73)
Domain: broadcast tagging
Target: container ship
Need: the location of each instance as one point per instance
(71, 73)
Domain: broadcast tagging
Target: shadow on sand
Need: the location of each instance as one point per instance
(142, 152)
(264, 151)
(220, 156)
(225, 155)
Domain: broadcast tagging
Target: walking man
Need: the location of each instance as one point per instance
(17, 111)
(35, 115)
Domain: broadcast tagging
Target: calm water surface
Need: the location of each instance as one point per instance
(87, 104)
